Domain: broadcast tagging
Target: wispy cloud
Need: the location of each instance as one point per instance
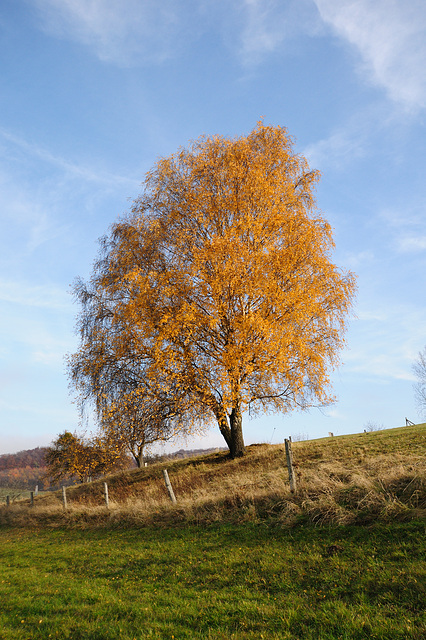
(133, 32)
(356, 260)
(338, 149)
(336, 414)
(407, 228)
(118, 31)
(347, 142)
(27, 218)
(264, 29)
(410, 244)
(82, 172)
(37, 322)
(267, 24)
(42, 194)
(390, 36)
(30, 295)
(385, 342)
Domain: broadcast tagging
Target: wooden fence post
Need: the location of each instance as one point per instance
(64, 496)
(169, 486)
(291, 474)
(7, 501)
(32, 498)
(106, 495)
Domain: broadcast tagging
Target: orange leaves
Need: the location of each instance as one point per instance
(218, 290)
(72, 456)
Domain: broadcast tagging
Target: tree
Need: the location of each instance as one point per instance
(217, 292)
(136, 422)
(71, 456)
(419, 369)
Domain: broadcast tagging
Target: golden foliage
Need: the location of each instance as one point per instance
(70, 456)
(217, 292)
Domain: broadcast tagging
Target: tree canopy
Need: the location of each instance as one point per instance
(71, 456)
(217, 292)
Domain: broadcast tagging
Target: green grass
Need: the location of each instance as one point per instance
(217, 582)
(386, 441)
(239, 556)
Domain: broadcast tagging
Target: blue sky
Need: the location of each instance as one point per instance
(94, 91)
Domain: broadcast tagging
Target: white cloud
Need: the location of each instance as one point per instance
(127, 32)
(349, 142)
(390, 35)
(84, 173)
(51, 357)
(267, 24)
(41, 296)
(339, 149)
(357, 260)
(410, 244)
(35, 337)
(261, 33)
(43, 194)
(384, 342)
(264, 29)
(336, 414)
(36, 323)
(408, 228)
(119, 31)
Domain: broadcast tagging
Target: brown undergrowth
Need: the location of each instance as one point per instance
(341, 480)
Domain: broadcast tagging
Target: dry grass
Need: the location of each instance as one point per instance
(342, 480)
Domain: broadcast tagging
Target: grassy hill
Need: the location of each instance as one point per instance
(237, 557)
(341, 480)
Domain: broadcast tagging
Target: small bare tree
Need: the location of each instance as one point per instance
(419, 368)
(372, 426)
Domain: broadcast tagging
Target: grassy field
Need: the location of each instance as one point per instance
(238, 556)
(221, 581)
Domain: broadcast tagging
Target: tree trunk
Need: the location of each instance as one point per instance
(231, 427)
(222, 420)
(237, 448)
(137, 453)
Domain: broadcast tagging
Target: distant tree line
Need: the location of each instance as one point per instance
(24, 470)
(32, 458)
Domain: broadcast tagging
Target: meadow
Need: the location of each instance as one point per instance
(221, 581)
(238, 556)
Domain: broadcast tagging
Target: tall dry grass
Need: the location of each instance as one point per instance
(345, 480)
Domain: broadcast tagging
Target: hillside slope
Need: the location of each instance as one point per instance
(346, 479)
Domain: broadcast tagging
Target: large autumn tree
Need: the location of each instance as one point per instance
(217, 293)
